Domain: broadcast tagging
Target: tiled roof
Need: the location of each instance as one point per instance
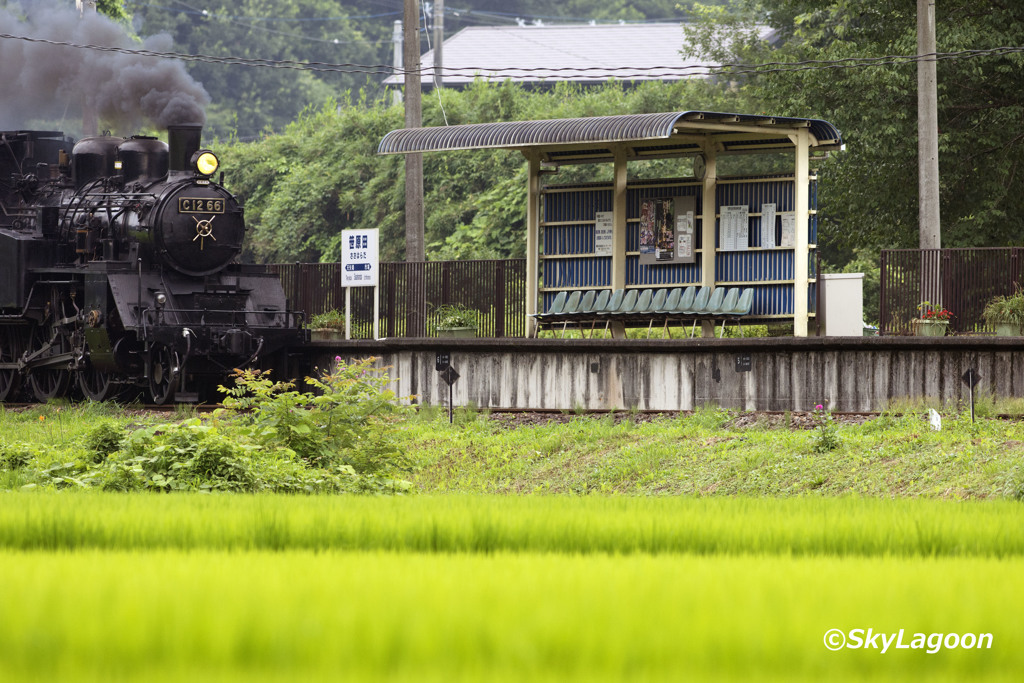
(580, 53)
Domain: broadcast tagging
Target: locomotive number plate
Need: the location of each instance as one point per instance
(200, 205)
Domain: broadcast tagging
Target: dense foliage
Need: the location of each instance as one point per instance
(268, 437)
(322, 174)
(871, 197)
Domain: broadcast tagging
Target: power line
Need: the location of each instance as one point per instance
(564, 72)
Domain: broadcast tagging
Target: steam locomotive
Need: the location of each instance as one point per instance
(119, 272)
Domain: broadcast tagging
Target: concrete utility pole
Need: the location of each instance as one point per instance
(927, 129)
(414, 247)
(90, 119)
(438, 42)
(396, 62)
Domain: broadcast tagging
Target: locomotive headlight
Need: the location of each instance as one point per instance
(205, 162)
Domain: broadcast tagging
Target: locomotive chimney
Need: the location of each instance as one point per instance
(183, 141)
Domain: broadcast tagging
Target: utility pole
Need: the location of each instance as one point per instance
(927, 128)
(438, 42)
(396, 62)
(414, 248)
(90, 119)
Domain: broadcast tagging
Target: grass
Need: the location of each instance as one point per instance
(894, 455)
(707, 453)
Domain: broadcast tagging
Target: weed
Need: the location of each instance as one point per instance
(826, 432)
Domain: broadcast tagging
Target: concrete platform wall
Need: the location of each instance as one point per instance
(845, 374)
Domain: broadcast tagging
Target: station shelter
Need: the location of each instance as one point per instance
(710, 229)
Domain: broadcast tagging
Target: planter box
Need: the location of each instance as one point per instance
(1008, 330)
(930, 328)
(458, 332)
(326, 334)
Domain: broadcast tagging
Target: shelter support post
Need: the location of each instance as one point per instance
(619, 231)
(801, 254)
(532, 244)
(708, 224)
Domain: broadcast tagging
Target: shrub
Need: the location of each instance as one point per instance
(346, 420)
(104, 439)
(14, 456)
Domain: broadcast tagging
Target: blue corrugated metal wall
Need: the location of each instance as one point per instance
(569, 262)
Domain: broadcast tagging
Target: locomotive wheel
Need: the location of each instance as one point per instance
(163, 376)
(10, 349)
(47, 383)
(97, 385)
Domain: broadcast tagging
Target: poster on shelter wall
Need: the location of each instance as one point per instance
(768, 226)
(603, 233)
(788, 219)
(667, 230)
(734, 228)
(686, 228)
(651, 215)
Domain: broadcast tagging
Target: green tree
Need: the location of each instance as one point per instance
(247, 100)
(869, 192)
(323, 174)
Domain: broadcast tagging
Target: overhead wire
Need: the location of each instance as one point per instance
(564, 72)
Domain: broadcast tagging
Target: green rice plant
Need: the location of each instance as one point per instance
(285, 616)
(550, 524)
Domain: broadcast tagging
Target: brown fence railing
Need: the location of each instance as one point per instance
(411, 292)
(961, 280)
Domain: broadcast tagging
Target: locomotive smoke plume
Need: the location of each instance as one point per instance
(42, 81)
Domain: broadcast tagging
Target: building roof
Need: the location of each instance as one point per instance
(586, 139)
(579, 53)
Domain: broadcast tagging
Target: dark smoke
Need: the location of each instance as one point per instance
(50, 82)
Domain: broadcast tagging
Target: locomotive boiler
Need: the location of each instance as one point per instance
(119, 270)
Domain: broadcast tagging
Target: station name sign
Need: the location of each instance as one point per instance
(360, 258)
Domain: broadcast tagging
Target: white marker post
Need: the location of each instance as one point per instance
(360, 267)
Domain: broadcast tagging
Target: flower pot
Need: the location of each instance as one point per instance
(1008, 330)
(326, 334)
(459, 332)
(930, 328)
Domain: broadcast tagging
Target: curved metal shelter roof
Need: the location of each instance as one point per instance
(598, 130)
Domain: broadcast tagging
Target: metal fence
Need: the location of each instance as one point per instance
(961, 280)
(410, 293)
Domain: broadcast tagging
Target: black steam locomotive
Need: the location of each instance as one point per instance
(118, 270)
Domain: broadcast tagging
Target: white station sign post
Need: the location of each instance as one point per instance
(360, 267)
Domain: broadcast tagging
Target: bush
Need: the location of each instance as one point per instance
(14, 456)
(346, 420)
(104, 439)
(340, 437)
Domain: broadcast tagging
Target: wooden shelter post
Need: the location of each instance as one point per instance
(532, 243)
(619, 230)
(801, 253)
(708, 221)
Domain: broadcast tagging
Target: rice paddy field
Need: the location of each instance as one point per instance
(481, 587)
